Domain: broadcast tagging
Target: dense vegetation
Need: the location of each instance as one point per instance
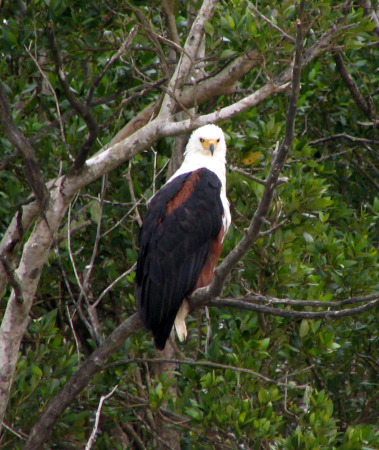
(73, 75)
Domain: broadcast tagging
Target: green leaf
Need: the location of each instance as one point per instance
(304, 328)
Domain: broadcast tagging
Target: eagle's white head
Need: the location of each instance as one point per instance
(208, 141)
(206, 148)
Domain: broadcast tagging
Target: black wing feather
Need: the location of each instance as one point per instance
(174, 248)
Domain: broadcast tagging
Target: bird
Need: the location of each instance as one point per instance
(182, 235)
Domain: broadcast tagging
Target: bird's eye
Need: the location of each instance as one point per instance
(218, 140)
(201, 140)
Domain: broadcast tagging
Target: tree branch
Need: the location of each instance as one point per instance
(187, 58)
(342, 136)
(79, 381)
(286, 36)
(210, 364)
(33, 172)
(97, 361)
(82, 109)
(364, 106)
(280, 156)
(124, 146)
(243, 304)
(124, 47)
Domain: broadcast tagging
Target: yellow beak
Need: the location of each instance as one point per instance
(210, 144)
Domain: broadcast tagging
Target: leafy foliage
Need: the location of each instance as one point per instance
(324, 372)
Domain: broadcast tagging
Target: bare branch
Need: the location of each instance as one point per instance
(92, 438)
(242, 304)
(168, 6)
(153, 37)
(257, 298)
(342, 136)
(113, 284)
(248, 175)
(191, 48)
(128, 176)
(367, 175)
(273, 229)
(91, 325)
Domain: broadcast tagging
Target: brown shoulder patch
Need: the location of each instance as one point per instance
(184, 194)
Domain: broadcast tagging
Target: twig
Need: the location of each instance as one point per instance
(342, 136)
(74, 230)
(92, 438)
(273, 229)
(73, 332)
(128, 176)
(9, 159)
(154, 432)
(282, 33)
(111, 286)
(209, 331)
(368, 176)
(19, 434)
(248, 175)
(147, 25)
(130, 99)
(90, 266)
(124, 47)
(90, 326)
(168, 6)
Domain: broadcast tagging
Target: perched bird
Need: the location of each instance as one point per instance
(182, 235)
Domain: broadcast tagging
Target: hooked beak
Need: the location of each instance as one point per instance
(212, 148)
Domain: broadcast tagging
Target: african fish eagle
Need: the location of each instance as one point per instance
(182, 235)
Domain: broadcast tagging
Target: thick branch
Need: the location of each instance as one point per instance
(221, 84)
(79, 381)
(187, 58)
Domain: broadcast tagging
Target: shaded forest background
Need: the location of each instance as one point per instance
(286, 356)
